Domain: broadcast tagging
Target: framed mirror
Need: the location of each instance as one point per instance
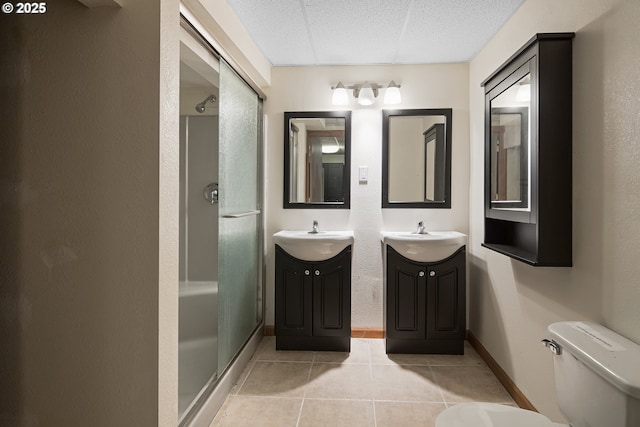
(317, 153)
(416, 158)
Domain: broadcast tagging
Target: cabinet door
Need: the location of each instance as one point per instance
(293, 295)
(446, 299)
(332, 296)
(406, 297)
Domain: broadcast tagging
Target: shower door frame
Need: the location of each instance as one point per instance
(213, 395)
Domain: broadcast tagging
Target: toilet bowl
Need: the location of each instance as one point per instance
(491, 415)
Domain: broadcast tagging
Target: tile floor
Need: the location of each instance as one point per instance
(363, 388)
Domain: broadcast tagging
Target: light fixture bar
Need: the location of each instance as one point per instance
(374, 86)
(366, 93)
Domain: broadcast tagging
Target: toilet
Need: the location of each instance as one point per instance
(597, 377)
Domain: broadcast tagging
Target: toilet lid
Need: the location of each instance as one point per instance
(491, 415)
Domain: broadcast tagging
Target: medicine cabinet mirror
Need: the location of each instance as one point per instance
(416, 158)
(510, 155)
(528, 139)
(317, 150)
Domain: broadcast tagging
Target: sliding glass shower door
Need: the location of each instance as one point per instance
(240, 216)
(220, 289)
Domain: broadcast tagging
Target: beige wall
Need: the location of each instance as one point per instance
(309, 89)
(511, 303)
(89, 277)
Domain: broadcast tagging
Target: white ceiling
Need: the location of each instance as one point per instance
(352, 32)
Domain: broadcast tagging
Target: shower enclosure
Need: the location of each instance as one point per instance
(220, 289)
(198, 290)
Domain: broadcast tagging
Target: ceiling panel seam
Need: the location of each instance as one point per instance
(308, 27)
(405, 24)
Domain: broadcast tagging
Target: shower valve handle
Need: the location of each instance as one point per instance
(211, 193)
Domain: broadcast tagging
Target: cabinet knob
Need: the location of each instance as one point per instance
(317, 272)
(307, 272)
(432, 273)
(421, 274)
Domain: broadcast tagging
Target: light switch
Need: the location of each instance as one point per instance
(363, 173)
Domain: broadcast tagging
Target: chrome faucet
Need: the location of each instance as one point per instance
(314, 230)
(421, 229)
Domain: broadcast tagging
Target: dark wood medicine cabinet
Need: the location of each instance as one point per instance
(528, 189)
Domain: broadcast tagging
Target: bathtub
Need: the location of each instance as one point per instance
(202, 390)
(198, 341)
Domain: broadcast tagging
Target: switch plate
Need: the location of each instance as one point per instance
(363, 173)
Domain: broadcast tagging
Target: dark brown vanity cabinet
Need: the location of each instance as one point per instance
(313, 302)
(425, 304)
(528, 114)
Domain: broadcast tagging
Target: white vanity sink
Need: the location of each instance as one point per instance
(313, 246)
(430, 247)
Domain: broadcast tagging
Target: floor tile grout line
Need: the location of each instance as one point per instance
(344, 399)
(304, 393)
(373, 394)
(269, 397)
(410, 401)
(284, 361)
(244, 380)
(435, 380)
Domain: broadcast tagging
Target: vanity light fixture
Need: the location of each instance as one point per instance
(366, 93)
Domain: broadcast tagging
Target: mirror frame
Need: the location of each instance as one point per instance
(386, 115)
(346, 176)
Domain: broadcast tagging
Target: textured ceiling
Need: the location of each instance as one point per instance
(350, 32)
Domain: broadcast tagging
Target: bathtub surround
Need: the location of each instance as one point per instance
(198, 340)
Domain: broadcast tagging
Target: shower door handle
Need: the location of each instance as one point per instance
(211, 193)
(241, 215)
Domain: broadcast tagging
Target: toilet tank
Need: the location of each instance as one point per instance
(597, 375)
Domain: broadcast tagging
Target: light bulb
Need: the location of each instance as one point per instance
(331, 148)
(392, 94)
(366, 96)
(340, 95)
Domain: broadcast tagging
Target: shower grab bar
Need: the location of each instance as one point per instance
(240, 215)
